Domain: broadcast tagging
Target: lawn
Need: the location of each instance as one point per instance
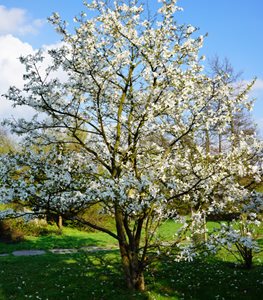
(70, 238)
(98, 275)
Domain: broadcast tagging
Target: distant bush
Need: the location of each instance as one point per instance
(14, 230)
(9, 232)
(227, 217)
(94, 216)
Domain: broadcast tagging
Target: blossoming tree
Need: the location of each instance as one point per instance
(132, 105)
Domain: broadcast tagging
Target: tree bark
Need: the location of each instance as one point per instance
(60, 222)
(207, 142)
(129, 250)
(133, 271)
(220, 143)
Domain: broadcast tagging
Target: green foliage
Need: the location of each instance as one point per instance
(9, 232)
(6, 143)
(93, 215)
(14, 230)
(260, 188)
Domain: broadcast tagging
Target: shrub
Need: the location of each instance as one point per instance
(9, 232)
(14, 230)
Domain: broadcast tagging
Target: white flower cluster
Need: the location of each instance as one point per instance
(240, 235)
(131, 114)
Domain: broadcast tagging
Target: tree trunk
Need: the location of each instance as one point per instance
(220, 143)
(132, 269)
(207, 142)
(249, 260)
(199, 238)
(205, 230)
(233, 133)
(129, 249)
(60, 222)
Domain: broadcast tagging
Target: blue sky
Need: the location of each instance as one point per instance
(234, 27)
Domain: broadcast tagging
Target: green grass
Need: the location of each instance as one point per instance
(74, 238)
(69, 238)
(168, 230)
(208, 279)
(98, 275)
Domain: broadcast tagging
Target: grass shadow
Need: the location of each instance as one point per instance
(98, 275)
(69, 238)
(76, 276)
(207, 279)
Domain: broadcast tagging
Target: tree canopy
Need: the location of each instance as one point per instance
(131, 109)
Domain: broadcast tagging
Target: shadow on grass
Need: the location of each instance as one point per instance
(99, 276)
(66, 240)
(207, 279)
(76, 276)
(62, 241)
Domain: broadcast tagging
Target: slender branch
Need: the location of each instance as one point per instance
(105, 230)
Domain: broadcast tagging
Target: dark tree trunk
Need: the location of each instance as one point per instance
(207, 142)
(246, 254)
(248, 257)
(129, 249)
(220, 143)
(133, 270)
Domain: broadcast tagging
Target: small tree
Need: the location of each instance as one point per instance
(134, 102)
(239, 236)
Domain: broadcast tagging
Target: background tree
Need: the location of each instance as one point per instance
(129, 81)
(6, 143)
(241, 121)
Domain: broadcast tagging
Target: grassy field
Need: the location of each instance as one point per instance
(73, 238)
(70, 238)
(98, 275)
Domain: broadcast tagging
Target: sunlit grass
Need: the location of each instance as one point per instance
(98, 275)
(69, 238)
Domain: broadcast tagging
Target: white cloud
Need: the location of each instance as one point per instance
(11, 48)
(259, 123)
(257, 91)
(12, 74)
(258, 85)
(16, 21)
